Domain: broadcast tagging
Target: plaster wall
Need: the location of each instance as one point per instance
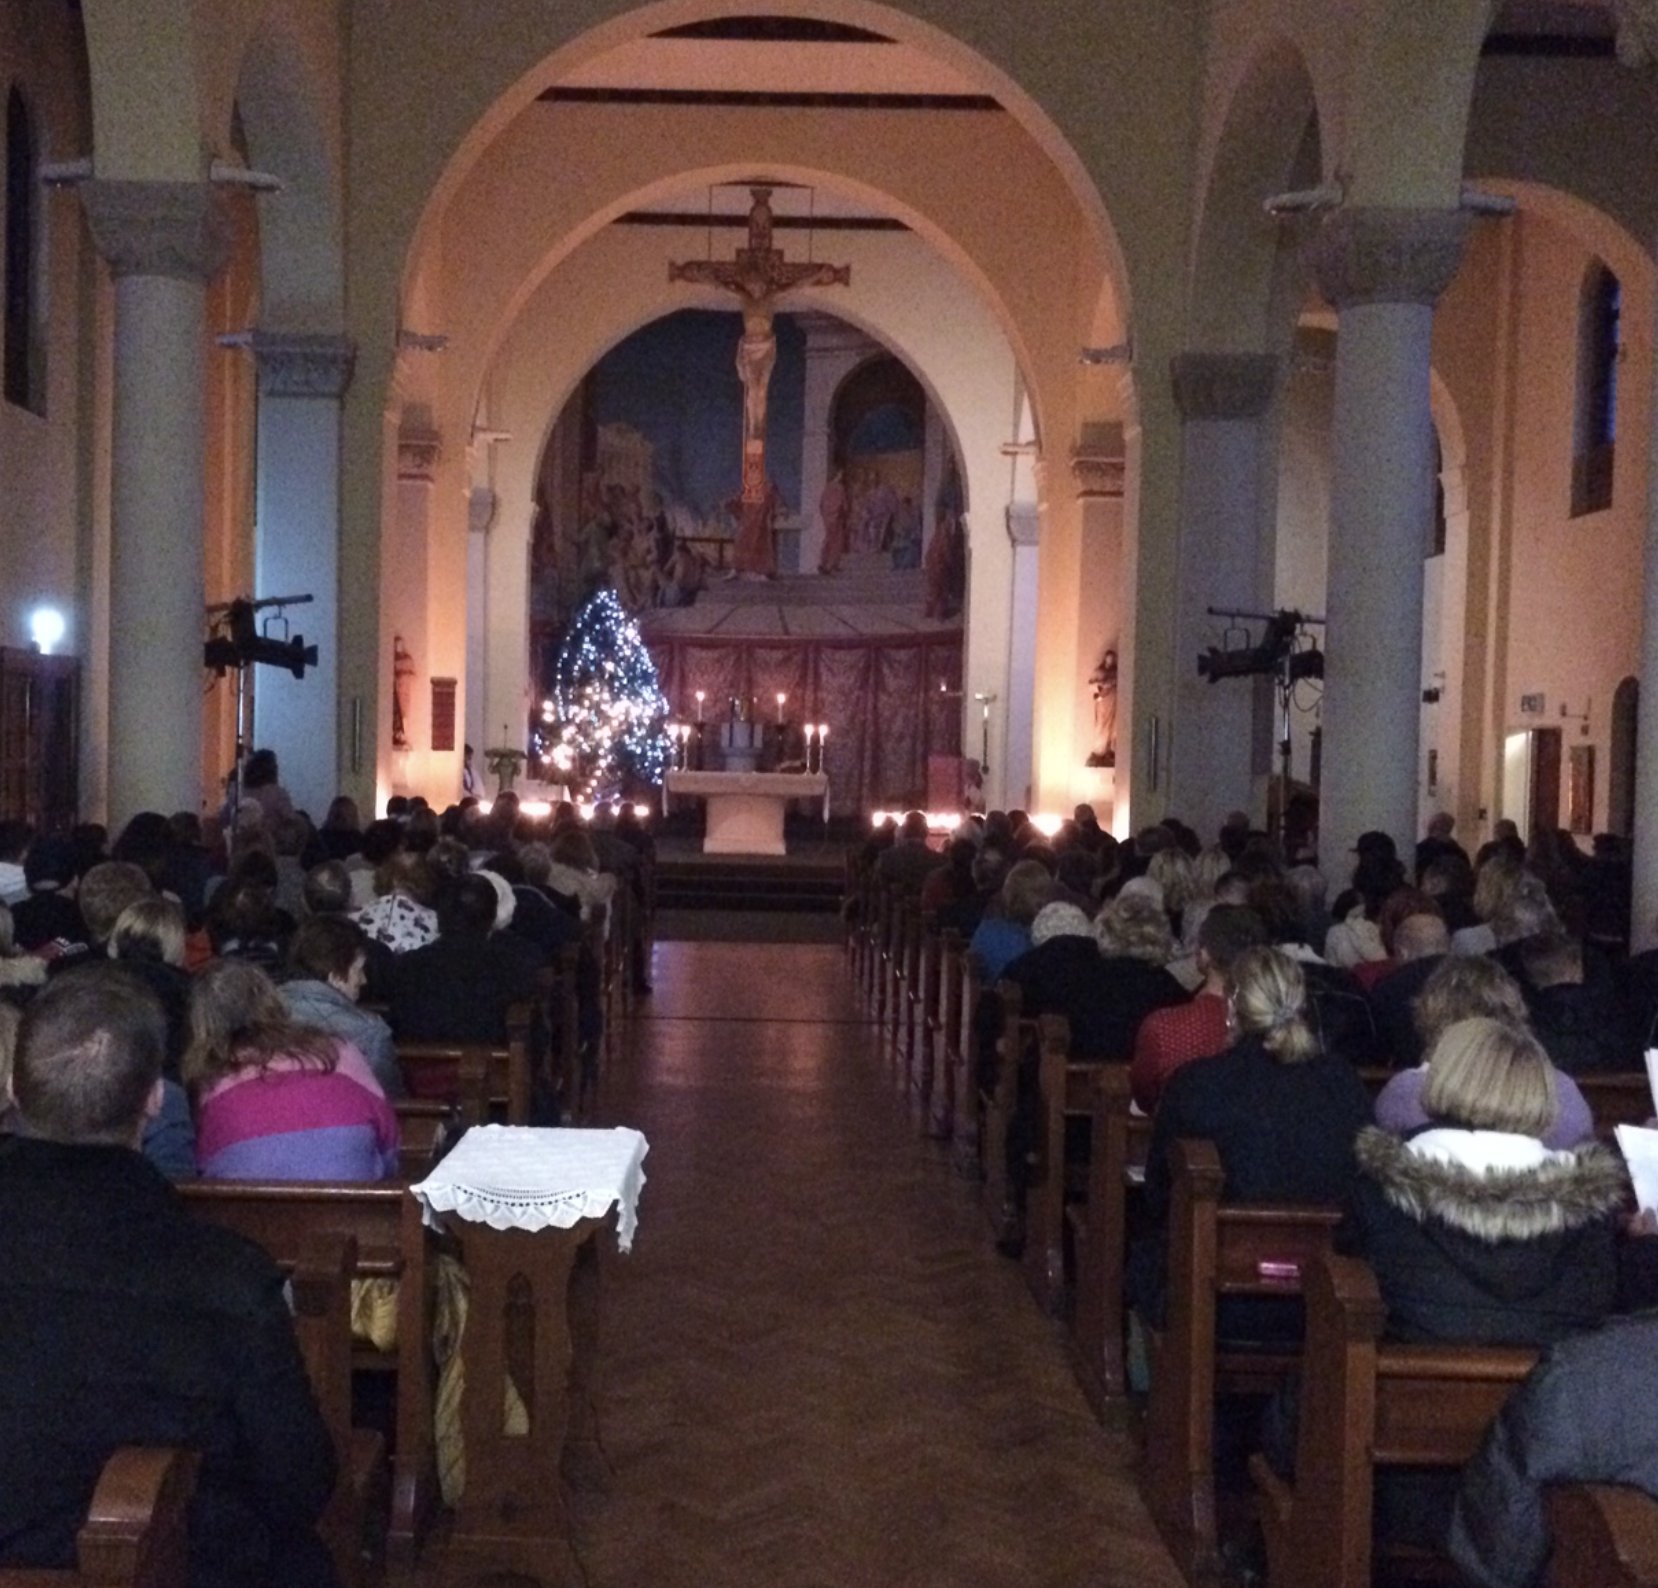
(1575, 620)
(45, 507)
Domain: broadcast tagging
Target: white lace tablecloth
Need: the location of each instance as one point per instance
(518, 1177)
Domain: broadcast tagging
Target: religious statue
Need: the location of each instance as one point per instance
(402, 673)
(1103, 682)
(757, 275)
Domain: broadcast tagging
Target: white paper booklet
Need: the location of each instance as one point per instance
(1639, 1147)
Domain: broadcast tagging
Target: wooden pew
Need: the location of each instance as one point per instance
(475, 1076)
(134, 1535)
(997, 1103)
(1065, 1088)
(1605, 1536)
(962, 1060)
(943, 1030)
(920, 1011)
(1215, 1250)
(425, 1128)
(1366, 1403)
(1121, 1140)
(1616, 1099)
(390, 1242)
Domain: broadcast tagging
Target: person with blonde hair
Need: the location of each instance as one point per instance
(1464, 987)
(1003, 932)
(1282, 1115)
(1480, 1232)
(276, 1100)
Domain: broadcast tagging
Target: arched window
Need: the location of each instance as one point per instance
(24, 362)
(1596, 426)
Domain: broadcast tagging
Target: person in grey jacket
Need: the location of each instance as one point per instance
(328, 962)
(1585, 1415)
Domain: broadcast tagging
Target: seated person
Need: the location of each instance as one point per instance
(1282, 1116)
(125, 1321)
(1135, 944)
(1581, 1023)
(327, 891)
(459, 988)
(401, 916)
(1174, 1036)
(1478, 1232)
(328, 967)
(276, 1100)
(20, 973)
(1003, 932)
(1461, 987)
(49, 913)
(1574, 1420)
(1420, 943)
(243, 919)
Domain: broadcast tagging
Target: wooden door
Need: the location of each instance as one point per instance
(1545, 780)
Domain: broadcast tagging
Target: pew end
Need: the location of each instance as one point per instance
(1605, 1536)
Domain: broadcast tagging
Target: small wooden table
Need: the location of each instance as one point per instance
(525, 1206)
(745, 809)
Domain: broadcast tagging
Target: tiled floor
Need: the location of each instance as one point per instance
(817, 1373)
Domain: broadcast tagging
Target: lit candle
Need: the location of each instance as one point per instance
(701, 696)
(781, 697)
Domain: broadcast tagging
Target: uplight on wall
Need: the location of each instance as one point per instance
(46, 629)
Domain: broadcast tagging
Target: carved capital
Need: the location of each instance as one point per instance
(295, 365)
(1096, 474)
(1024, 523)
(176, 229)
(418, 452)
(1223, 385)
(1375, 255)
(481, 505)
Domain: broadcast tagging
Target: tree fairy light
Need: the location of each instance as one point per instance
(606, 724)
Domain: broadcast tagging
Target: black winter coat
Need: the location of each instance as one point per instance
(125, 1321)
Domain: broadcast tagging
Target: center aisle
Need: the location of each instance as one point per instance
(817, 1372)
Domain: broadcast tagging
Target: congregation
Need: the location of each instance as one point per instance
(1406, 1039)
(230, 999)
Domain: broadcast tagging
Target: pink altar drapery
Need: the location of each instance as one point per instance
(886, 700)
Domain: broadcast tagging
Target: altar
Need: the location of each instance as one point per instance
(745, 809)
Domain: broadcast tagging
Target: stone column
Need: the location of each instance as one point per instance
(1009, 783)
(405, 588)
(1224, 561)
(302, 383)
(1383, 270)
(164, 241)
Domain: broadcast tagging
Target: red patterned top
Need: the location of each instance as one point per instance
(1168, 1038)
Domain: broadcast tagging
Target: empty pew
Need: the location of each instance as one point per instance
(1605, 1536)
(1216, 1250)
(1616, 1098)
(390, 1242)
(1121, 1140)
(1368, 1403)
(134, 1535)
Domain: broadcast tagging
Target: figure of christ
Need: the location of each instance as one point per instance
(757, 275)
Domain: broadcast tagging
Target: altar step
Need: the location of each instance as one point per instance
(803, 885)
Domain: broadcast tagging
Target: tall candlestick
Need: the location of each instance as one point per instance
(701, 696)
(781, 698)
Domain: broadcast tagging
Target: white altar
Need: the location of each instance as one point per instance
(745, 809)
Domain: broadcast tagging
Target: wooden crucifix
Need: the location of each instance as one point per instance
(757, 275)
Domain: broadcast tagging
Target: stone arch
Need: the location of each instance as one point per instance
(1246, 283)
(300, 232)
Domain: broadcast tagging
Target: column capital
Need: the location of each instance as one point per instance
(1223, 385)
(417, 454)
(1381, 255)
(297, 364)
(176, 229)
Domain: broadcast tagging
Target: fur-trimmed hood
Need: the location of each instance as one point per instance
(1562, 1192)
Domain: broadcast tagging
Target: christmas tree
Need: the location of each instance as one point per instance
(605, 728)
